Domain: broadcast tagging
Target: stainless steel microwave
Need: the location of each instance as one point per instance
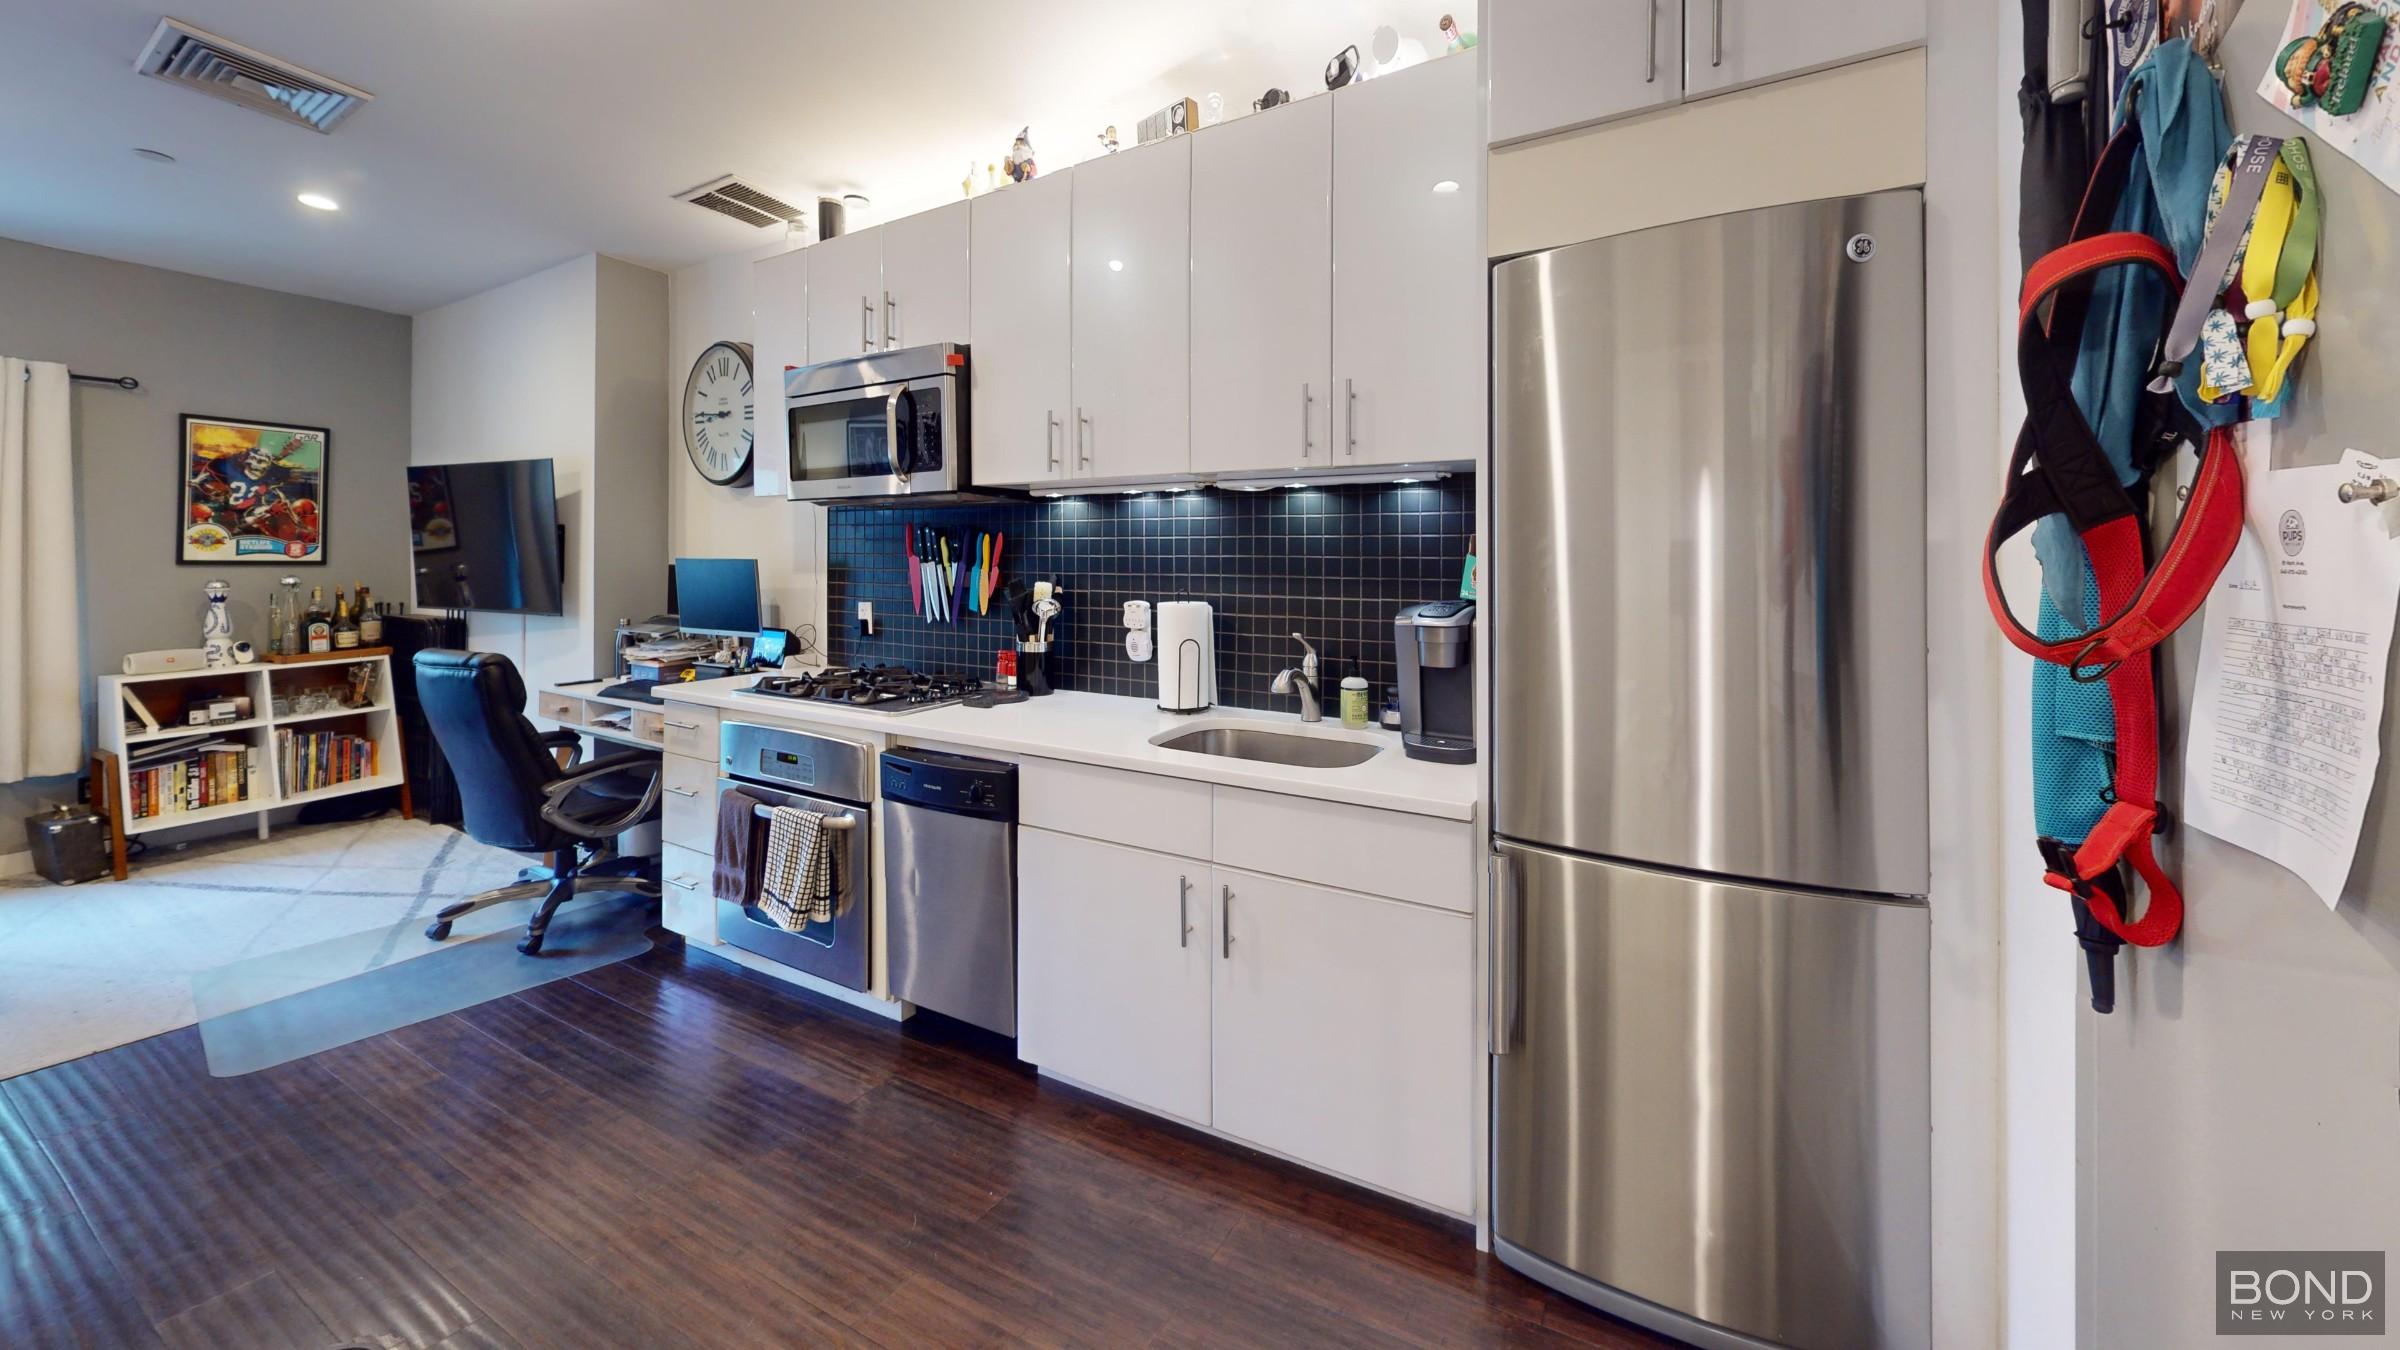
(885, 428)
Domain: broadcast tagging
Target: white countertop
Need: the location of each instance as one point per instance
(1115, 732)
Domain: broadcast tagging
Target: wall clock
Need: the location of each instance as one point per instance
(718, 430)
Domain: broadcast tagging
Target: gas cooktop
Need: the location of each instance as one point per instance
(883, 689)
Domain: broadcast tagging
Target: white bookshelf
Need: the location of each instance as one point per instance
(167, 695)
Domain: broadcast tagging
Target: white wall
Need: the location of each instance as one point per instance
(709, 302)
(533, 370)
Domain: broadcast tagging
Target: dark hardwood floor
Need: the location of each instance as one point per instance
(676, 1152)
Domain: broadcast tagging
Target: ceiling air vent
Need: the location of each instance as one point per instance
(181, 54)
(732, 197)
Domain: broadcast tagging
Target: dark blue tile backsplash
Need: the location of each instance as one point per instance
(1332, 563)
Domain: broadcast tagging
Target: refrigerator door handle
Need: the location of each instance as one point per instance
(1501, 940)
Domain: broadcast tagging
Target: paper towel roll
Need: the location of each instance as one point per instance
(1187, 655)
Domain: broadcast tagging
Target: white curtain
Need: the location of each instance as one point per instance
(41, 703)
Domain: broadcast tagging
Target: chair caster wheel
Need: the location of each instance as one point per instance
(438, 930)
(531, 946)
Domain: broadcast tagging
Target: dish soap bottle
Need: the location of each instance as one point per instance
(1354, 702)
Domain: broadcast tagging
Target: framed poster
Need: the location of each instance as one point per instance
(252, 492)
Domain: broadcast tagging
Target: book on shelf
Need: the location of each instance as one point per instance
(310, 760)
(195, 777)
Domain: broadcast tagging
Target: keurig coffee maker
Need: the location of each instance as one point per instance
(1434, 644)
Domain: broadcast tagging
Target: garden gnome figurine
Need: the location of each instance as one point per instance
(1020, 157)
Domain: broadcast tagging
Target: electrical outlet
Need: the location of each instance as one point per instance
(866, 618)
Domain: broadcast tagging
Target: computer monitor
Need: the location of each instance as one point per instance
(718, 596)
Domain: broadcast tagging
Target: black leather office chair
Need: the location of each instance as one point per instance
(517, 796)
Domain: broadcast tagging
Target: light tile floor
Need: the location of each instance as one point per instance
(85, 968)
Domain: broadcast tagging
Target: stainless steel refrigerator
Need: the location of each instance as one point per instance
(1710, 1082)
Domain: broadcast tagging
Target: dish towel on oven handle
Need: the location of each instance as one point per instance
(796, 889)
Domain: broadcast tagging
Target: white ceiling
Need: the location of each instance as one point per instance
(507, 135)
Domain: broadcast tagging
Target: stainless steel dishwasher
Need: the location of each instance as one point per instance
(950, 884)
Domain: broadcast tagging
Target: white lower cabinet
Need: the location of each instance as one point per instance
(1331, 1027)
(687, 898)
(1341, 1027)
(1113, 969)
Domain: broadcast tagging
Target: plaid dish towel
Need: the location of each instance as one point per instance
(797, 886)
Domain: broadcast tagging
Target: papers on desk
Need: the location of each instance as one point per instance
(2286, 720)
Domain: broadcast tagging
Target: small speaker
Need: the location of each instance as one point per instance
(166, 661)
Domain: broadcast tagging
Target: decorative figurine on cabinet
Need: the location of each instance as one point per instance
(216, 629)
(1020, 157)
(1458, 41)
(1108, 140)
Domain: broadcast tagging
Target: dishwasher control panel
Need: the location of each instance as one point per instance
(953, 783)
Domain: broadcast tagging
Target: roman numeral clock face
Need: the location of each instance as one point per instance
(718, 431)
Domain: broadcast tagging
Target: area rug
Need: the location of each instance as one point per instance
(85, 968)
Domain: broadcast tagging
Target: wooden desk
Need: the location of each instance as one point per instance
(580, 707)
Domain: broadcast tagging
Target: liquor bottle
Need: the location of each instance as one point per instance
(345, 623)
(370, 620)
(319, 623)
(274, 624)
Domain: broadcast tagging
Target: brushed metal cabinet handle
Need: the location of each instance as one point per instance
(685, 792)
(1183, 911)
(682, 885)
(866, 324)
(1650, 49)
(1350, 417)
(1083, 438)
(1050, 453)
(891, 321)
(1225, 923)
(685, 726)
(1308, 407)
(1501, 939)
(1716, 32)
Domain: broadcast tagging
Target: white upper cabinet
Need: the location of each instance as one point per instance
(845, 296)
(1018, 324)
(1132, 314)
(1262, 290)
(1729, 43)
(1557, 64)
(779, 341)
(1343, 1033)
(1408, 275)
(925, 288)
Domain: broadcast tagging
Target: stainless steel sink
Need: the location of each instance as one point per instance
(1271, 747)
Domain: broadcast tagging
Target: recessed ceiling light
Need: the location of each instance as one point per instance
(1295, 485)
(1116, 264)
(1408, 480)
(154, 156)
(1446, 186)
(318, 201)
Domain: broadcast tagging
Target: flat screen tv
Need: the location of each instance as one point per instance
(486, 537)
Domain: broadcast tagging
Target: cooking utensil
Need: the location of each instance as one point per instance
(916, 574)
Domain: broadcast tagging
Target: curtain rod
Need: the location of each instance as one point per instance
(120, 381)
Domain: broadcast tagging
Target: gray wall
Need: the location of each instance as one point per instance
(2242, 1096)
(203, 346)
(629, 466)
